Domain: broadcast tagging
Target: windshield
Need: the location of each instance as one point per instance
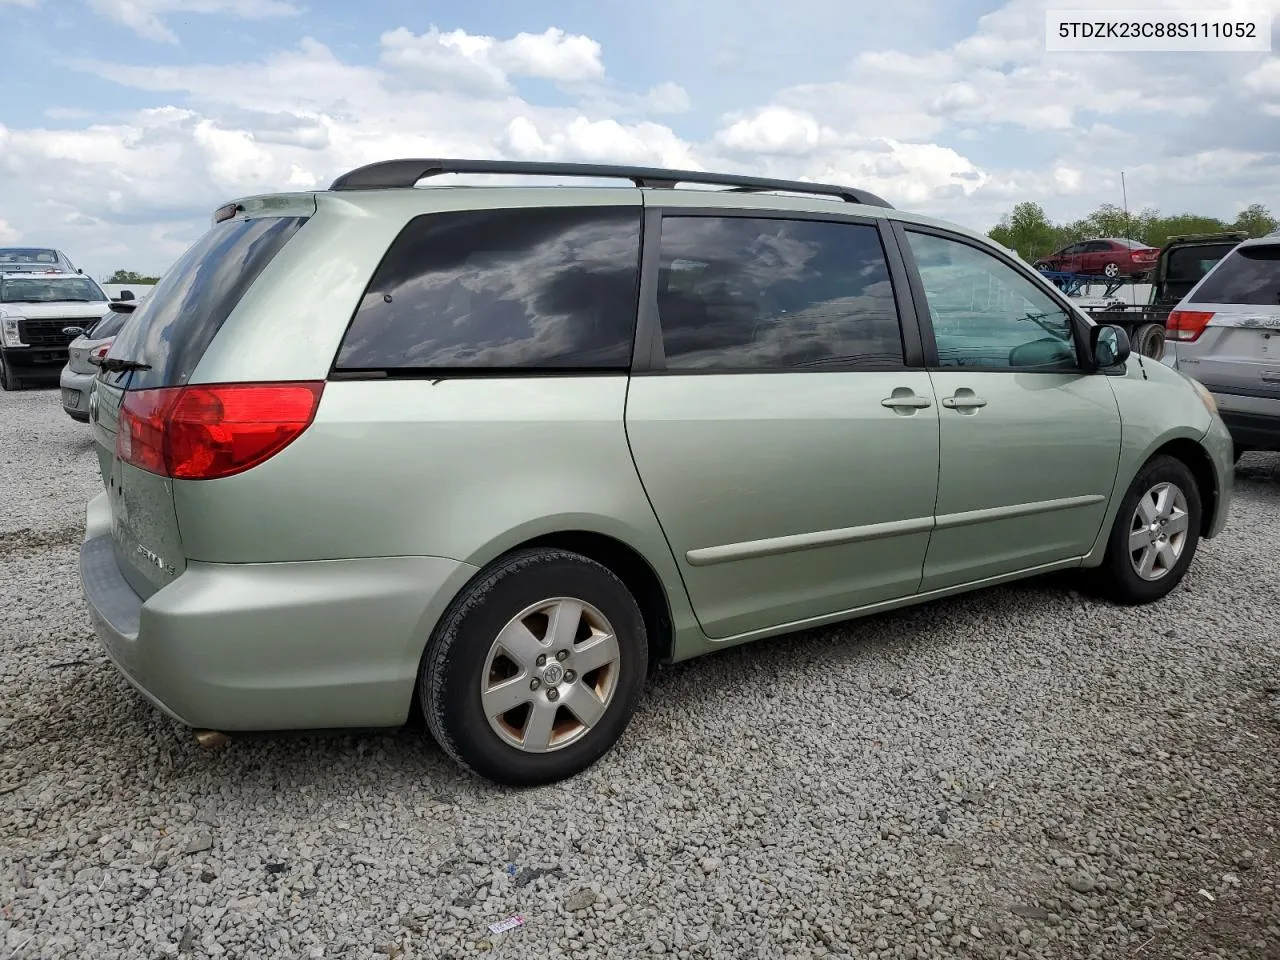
(28, 255)
(42, 290)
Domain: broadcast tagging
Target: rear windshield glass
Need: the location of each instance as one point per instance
(1248, 275)
(179, 319)
(28, 255)
(1192, 263)
(109, 325)
(40, 290)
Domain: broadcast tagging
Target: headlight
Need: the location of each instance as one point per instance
(1205, 396)
(9, 331)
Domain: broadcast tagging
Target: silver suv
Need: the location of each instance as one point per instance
(1225, 333)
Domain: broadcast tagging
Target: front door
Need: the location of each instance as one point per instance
(790, 455)
(1030, 441)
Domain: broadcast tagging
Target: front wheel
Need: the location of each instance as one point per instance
(535, 669)
(1155, 534)
(7, 380)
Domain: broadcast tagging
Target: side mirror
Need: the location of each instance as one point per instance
(122, 306)
(1110, 345)
(73, 331)
(126, 295)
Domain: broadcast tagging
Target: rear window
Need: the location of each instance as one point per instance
(28, 255)
(176, 323)
(518, 289)
(1192, 263)
(109, 325)
(1247, 275)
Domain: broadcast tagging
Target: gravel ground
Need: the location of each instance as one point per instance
(1021, 773)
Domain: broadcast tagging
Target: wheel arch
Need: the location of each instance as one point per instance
(643, 563)
(1198, 461)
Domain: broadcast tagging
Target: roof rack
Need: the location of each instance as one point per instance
(392, 174)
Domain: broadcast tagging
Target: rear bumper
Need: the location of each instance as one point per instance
(75, 393)
(1254, 422)
(276, 646)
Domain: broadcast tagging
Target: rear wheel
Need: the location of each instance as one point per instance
(1111, 271)
(535, 669)
(1148, 340)
(1155, 534)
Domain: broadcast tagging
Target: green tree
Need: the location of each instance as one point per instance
(1180, 224)
(1256, 220)
(1027, 230)
(128, 276)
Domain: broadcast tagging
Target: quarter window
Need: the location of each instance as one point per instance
(745, 293)
(987, 315)
(513, 289)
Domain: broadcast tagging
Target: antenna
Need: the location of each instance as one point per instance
(1125, 194)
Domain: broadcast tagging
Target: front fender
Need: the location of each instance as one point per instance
(1159, 406)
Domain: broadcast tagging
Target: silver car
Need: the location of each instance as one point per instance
(84, 358)
(1225, 333)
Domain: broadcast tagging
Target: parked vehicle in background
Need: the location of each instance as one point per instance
(35, 260)
(1182, 263)
(622, 426)
(1225, 333)
(1108, 257)
(84, 358)
(35, 309)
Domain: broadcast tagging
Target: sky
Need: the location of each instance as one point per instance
(125, 123)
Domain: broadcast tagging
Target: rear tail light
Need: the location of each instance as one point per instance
(99, 352)
(208, 432)
(1187, 325)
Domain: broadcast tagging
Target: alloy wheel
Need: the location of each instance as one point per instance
(550, 675)
(1158, 531)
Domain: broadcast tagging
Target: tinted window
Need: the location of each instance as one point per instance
(503, 289)
(1248, 275)
(986, 314)
(1189, 264)
(185, 310)
(739, 293)
(109, 325)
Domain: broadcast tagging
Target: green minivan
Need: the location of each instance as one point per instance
(500, 450)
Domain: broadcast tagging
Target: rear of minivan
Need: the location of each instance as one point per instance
(221, 370)
(1225, 333)
(290, 502)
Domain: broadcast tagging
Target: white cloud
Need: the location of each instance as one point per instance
(485, 63)
(20, 3)
(146, 17)
(8, 232)
(950, 132)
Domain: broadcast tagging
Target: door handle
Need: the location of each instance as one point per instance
(903, 399)
(964, 400)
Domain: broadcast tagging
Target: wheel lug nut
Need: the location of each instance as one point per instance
(562, 655)
(535, 683)
(570, 676)
(542, 660)
(553, 694)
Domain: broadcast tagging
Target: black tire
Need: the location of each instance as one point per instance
(1116, 577)
(1237, 452)
(1148, 340)
(454, 664)
(7, 380)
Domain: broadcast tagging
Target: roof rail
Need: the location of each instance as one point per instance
(392, 174)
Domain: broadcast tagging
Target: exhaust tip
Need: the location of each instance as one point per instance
(211, 738)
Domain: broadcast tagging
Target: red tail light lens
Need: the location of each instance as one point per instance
(207, 432)
(1187, 325)
(99, 352)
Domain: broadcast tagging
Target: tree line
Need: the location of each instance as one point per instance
(128, 276)
(1032, 234)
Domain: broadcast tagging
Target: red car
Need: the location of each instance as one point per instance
(1110, 257)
